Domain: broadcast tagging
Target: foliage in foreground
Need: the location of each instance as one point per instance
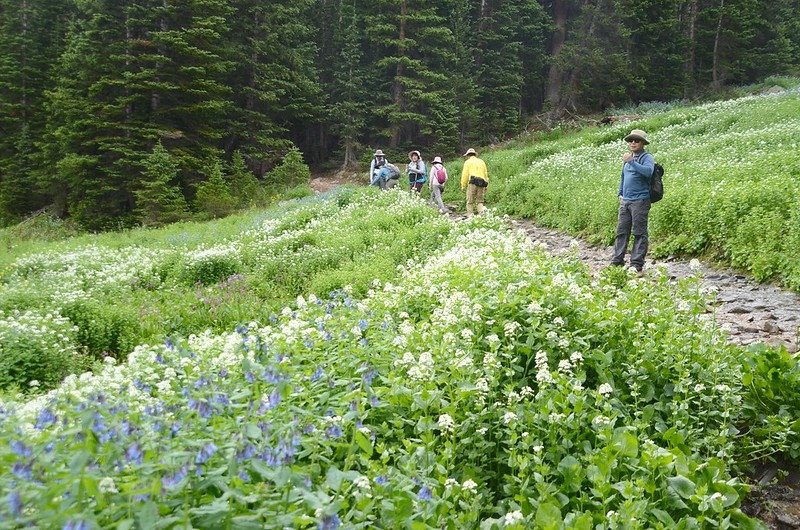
(487, 386)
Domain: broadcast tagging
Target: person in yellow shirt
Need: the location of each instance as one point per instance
(474, 178)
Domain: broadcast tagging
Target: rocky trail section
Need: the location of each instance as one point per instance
(748, 311)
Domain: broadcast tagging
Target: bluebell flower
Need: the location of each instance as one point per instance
(242, 330)
(23, 471)
(206, 452)
(202, 406)
(273, 318)
(318, 374)
(20, 449)
(374, 401)
(159, 358)
(244, 475)
(45, 419)
(127, 428)
(327, 336)
(170, 481)
(381, 480)
(363, 343)
(75, 525)
(329, 522)
(15, 503)
(142, 497)
(246, 453)
(425, 493)
(308, 344)
(308, 429)
(362, 324)
(222, 399)
(203, 381)
(354, 406)
(334, 431)
(271, 403)
(223, 373)
(368, 376)
(169, 344)
(134, 454)
(271, 375)
(175, 428)
(385, 326)
(249, 377)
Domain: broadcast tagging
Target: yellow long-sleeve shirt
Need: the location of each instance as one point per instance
(473, 167)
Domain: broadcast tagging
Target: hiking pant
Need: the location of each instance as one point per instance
(436, 197)
(632, 218)
(475, 196)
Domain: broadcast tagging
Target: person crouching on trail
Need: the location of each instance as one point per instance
(416, 171)
(475, 179)
(378, 162)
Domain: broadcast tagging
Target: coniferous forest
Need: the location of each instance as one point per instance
(116, 113)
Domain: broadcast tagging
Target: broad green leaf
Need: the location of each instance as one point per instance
(364, 443)
(548, 517)
(682, 485)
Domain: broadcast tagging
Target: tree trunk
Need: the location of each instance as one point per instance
(397, 93)
(574, 75)
(688, 90)
(555, 75)
(716, 81)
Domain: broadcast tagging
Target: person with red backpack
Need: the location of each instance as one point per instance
(437, 179)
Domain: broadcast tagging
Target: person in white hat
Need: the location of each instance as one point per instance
(438, 177)
(634, 201)
(417, 175)
(475, 179)
(378, 161)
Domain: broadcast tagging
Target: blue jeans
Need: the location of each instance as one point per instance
(632, 217)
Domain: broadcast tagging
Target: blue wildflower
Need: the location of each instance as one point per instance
(169, 344)
(362, 324)
(222, 399)
(206, 452)
(24, 471)
(20, 449)
(327, 336)
(249, 377)
(141, 497)
(271, 403)
(15, 503)
(271, 375)
(246, 453)
(159, 358)
(223, 373)
(273, 319)
(75, 525)
(242, 330)
(45, 419)
(363, 343)
(308, 344)
(318, 374)
(368, 376)
(244, 475)
(374, 401)
(175, 428)
(134, 454)
(381, 480)
(329, 522)
(334, 431)
(170, 481)
(425, 493)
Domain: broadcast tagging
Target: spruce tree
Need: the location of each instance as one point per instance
(159, 200)
(213, 195)
(243, 183)
(275, 85)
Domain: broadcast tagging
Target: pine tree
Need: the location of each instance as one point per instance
(213, 195)
(411, 47)
(275, 82)
(243, 183)
(158, 200)
(291, 171)
(31, 35)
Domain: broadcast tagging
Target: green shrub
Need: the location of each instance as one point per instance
(209, 266)
(36, 347)
(102, 328)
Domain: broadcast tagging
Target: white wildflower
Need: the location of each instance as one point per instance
(513, 518)
(107, 485)
(470, 486)
(509, 417)
(446, 422)
(605, 390)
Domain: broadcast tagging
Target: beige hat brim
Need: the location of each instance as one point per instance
(636, 137)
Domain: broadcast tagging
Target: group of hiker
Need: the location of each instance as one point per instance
(634, 198)
(474, 177)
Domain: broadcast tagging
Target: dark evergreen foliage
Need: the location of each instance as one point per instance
(95, 94)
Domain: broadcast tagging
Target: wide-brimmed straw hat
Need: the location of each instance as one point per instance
(637, 134)
(410, 153)
(437, 160)
(470, 151)
(378, 152)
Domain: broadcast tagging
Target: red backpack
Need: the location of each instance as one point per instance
(441, 174)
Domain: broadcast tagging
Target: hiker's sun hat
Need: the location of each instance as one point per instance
(637, 134)
(378, 153)
(412, 153)
(470, 151)
(437, 160)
